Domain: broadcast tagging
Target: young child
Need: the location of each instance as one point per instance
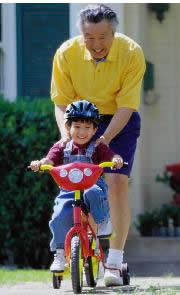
(81, 120)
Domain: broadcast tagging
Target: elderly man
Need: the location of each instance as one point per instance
(106, 68)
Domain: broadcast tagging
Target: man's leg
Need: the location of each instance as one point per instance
(120, 215)
(119, 208)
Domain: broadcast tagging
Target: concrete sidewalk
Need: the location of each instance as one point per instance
(139, 286)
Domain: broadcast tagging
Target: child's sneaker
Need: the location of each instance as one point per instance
(104, 230)
(112, 276)
(59, 261)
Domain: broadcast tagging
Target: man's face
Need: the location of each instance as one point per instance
(98, 38)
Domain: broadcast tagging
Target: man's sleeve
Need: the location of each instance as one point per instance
(129, 95)
(62, 91)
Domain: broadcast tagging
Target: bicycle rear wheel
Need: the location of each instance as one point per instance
(76, 265)
(91, 268)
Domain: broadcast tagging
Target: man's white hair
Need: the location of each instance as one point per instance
(95, 14)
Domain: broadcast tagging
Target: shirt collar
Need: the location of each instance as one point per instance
(111, 55)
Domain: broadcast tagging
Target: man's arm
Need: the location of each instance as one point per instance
(128, 98)
(59, 114)
(118, 122)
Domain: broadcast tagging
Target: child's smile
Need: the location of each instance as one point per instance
(82, 132)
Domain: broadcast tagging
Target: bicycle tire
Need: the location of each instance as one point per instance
(76, 264)
(125, 274)
(91, 269)
(56, 281)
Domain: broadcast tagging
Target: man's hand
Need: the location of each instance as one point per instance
(64, 140)
(103, 140)
(118, 162)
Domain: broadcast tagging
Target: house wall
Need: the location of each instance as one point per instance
(159, 142)
(9, 50)
(161, 129)
(134, 17)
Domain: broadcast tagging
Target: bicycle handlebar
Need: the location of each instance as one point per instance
(77, 175)
(102, 165)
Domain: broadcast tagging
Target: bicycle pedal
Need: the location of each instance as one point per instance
(111, 237)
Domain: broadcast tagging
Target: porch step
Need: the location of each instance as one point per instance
(153, 256)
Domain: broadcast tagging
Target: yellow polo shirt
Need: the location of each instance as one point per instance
(113, 84)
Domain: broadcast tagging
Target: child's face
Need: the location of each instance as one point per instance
(82, 132)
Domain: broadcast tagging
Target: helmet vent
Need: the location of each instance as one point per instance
(74, 107)
(88, 107)
(81, 106)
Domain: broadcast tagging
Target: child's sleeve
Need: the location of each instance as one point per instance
(105, 154)
(56, 154)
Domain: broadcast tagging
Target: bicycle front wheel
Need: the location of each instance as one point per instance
(76, 265)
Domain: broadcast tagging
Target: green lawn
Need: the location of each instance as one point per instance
(28, 275)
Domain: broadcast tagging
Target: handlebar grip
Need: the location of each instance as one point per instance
(42, 167)
(111, 164)
(45, 167)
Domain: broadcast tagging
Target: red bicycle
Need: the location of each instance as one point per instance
(82, 248)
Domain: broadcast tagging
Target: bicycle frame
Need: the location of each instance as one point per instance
(80, 227)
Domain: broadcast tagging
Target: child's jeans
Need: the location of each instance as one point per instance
(96, 200)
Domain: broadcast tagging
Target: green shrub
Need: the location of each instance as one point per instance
(150, 221)
(27, 130)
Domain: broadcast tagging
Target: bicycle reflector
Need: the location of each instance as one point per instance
(77, 175)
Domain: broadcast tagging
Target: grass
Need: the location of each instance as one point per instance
(164, 285)
(15, 276)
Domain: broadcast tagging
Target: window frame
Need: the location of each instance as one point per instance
(0, 24)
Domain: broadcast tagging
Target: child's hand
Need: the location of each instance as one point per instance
(118, 162)
(35, 165)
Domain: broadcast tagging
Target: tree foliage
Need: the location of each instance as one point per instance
(27, 130)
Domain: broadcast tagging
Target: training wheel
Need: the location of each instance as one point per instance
(125, 274)
(56, 279)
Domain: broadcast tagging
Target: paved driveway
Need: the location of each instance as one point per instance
(139, 286)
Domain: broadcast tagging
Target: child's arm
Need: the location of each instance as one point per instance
(105, 154)
(118, 161)
(36, 164)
